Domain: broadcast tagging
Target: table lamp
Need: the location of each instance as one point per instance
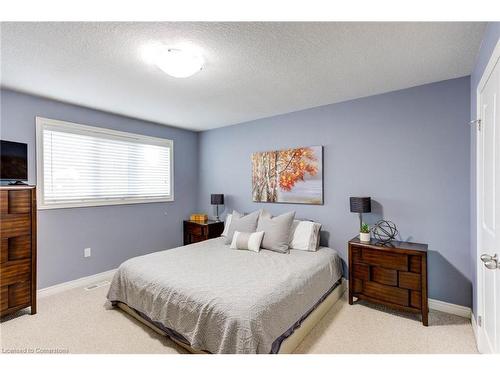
(360, 205)
(217, 199)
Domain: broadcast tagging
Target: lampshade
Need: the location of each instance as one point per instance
(361, 204)
(217, 198)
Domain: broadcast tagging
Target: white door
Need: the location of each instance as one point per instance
(488, 207)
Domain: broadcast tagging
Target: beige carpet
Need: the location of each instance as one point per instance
(79, 321)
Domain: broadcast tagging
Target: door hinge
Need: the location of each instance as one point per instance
(480, 321)
(477, 123)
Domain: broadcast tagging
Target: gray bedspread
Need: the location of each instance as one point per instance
(223, 300)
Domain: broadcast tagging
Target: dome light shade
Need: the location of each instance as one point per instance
(176, 62)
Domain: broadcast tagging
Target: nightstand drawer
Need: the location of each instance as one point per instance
(362, 271)
(194, 238)
(410, 280)
(415, 299)
(386, 293)
(385, 259)
(385, 276)
(356, 254)
(415, 263)
(195, 230)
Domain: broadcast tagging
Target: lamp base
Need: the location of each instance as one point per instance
(217, 214)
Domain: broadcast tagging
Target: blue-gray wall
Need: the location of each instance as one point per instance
(115, 233)
(490, 39)
(408, 150)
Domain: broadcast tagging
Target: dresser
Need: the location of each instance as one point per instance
(394, 275)
(17, 248)
(196, 231)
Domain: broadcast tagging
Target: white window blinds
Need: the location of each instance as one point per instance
(80, 165)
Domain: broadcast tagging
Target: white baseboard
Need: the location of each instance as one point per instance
(78, 283)
(474, 326)
(450, 308)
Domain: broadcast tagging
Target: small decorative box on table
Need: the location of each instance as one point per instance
(198, 217)
(196, 231)
(392, 274)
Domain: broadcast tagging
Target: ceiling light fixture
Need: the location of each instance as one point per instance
(176, 62)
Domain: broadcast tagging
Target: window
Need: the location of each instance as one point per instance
(80, 165)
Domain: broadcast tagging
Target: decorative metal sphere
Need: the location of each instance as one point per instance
(385, 231)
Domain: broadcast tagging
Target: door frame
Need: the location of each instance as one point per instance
(495, 56)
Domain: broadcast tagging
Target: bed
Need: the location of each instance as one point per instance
(213, 299)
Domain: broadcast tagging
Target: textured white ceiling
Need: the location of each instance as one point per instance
(253, 70)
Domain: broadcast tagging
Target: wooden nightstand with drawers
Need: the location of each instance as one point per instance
(394, 275)
(196, 231)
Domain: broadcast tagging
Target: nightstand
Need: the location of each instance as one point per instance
(196, 231)
(394, 275)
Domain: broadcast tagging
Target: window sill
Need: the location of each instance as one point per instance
(111, 202)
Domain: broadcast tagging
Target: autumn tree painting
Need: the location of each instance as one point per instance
(292, 176)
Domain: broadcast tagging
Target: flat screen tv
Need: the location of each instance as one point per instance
(13, 161)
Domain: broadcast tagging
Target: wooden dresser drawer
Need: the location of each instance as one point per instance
(15, 295)
(15, 248)
(19, 294)
(13, 225)
(4, 298)
(15, 202)
(15, 271)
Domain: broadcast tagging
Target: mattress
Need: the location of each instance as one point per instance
(222, 300)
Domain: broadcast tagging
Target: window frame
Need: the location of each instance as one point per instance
(41, 123)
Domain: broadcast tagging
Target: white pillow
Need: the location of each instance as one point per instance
(247, 241)
(226, 225)
(305, 235)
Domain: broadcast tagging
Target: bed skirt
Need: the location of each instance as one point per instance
(290, 338)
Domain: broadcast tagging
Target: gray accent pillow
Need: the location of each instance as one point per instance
(276, 231)
(240, 223)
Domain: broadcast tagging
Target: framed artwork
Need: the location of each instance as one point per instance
(288, 176)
